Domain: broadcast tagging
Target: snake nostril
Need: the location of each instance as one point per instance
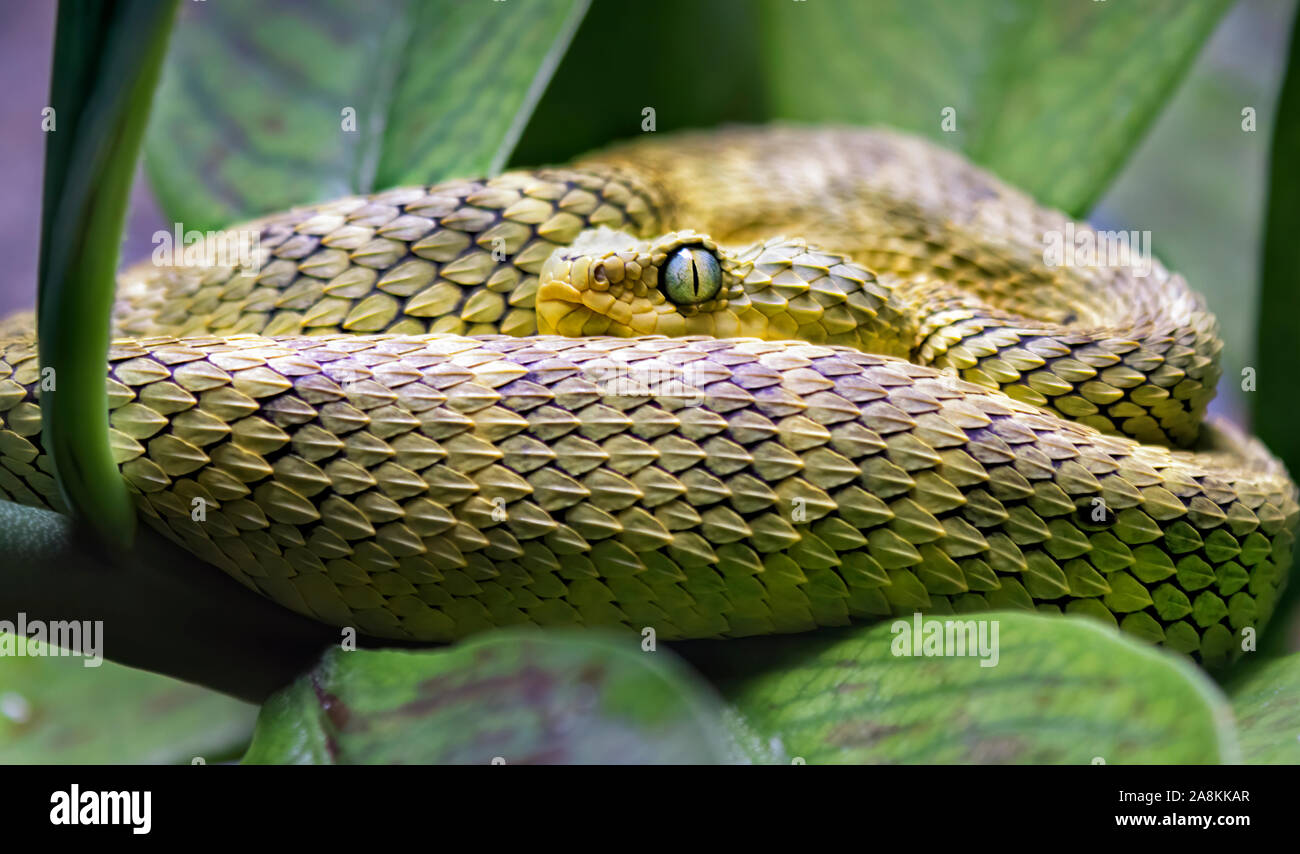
(599, 275)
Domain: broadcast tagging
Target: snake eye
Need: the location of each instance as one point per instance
(692, 276)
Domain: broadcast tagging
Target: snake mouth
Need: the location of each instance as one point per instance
(574, 300)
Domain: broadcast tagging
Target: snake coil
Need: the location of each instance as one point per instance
(435, 410)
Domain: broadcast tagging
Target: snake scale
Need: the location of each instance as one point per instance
(612, 394)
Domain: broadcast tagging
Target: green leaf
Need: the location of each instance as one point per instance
(1052, 98)
(1266, 700)
(55, 710)
(1064, 690)
(524, 696)
(258, 99)
(106, 62)
(1277, 346)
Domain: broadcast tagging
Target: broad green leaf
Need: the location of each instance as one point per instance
(55, 710)
(1266, 701)
(526, 697)
(106, 62)
(1063, 690)
(1050, 96)
(266, 106)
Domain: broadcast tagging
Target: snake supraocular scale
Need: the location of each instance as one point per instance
(421, 413)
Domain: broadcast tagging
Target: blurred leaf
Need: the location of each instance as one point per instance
(1266, 700)
(525, 696)
(55, 710)
(106, 62)
(250, 116)
(1051, 97)
(1063, 690)
(1277, 344)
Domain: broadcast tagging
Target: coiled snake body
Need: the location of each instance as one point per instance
(435, 410)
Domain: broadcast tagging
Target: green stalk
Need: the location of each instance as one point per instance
(107, 60)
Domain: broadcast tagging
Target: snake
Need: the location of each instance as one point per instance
(744, 381)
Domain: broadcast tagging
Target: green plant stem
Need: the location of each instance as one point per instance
(106, 63)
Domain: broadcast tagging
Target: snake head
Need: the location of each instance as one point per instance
(610, 283)
(684, 283)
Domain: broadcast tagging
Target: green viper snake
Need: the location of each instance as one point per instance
(717, 384)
